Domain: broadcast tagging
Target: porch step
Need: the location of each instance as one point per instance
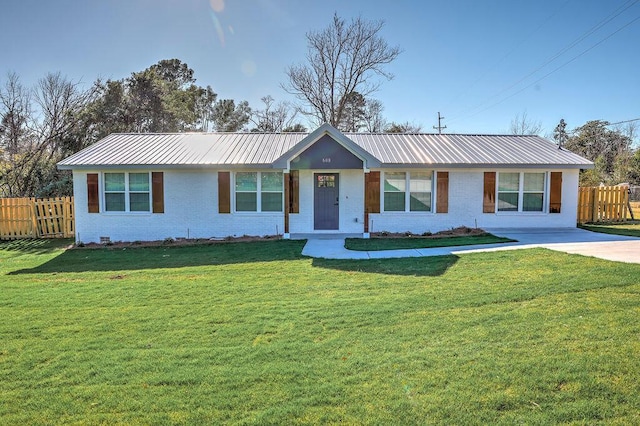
(327, 236)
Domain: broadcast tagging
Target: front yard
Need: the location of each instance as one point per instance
(254, 333)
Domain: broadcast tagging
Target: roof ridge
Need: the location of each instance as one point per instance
(306, 133)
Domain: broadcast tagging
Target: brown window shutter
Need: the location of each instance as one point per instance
(489, 201)
(555, 198)
(372, 192)
(224, 192)
(442, 203)
(294, 191)
(157, 191)
(93, 193)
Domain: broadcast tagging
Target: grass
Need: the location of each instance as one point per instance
(254, 333)
(631, 229)
(374, 244)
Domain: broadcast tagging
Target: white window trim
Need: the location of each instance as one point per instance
(258, 193)
(521, 192)
(127, 201)
(407, 192)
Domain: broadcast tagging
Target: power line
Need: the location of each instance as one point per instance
(589, 32)
(553, 71)
(514, 49)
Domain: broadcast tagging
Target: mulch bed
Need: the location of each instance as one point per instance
(461, 231)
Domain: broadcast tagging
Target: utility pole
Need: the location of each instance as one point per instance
(439, 126)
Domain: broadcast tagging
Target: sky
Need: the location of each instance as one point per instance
(480, 63)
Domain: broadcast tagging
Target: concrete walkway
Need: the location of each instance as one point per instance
(569, 240)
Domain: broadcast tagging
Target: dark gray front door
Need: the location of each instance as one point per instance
(325, 201)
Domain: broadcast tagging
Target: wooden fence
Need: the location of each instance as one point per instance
(36, 218)
(603, 204)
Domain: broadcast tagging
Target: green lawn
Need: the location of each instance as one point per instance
(253, 333)
(632, 229)
(374, 244)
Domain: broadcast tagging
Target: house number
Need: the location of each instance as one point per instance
(326, 160)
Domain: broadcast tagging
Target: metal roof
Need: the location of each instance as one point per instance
(263, 149)
(466, 150)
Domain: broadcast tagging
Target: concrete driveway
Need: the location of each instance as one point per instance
(569, 240)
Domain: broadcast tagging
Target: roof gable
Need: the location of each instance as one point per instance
(326, 129)
(326, 153)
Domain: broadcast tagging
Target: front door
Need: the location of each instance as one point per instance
(325, 201)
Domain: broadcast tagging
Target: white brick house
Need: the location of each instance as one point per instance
(132, 187)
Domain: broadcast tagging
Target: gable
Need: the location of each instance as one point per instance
(326, 153)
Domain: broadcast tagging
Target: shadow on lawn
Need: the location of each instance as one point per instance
(123, 259)
(35, 246)
(132, 258)
(432, 266)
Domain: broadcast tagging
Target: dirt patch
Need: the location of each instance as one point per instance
(461, 231)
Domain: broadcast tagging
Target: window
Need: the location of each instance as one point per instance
(127, 192)
(246, 191)
(533, 192)
(420, 195)
(271, 191)
(407, 191)
(139, 192)
(394, 190)
(522, 192)
(268, 184)
(508, 192)
(326, 181)
(114, 193)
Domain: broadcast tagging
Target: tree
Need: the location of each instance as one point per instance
(296, 128)
(596, 142)
(15, 105)
(405, 127)
(205, 111)
(42, 125)
(341, 59)
(275, 117)
(634, 168)
(631, 130)
(39, 127)
(227, 117)
(174, 71)
(162, 98)
(374, 122)
(521, 125)
(353, 112)
(560, 133)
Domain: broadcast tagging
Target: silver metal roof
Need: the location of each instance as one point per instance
(466, 150)
(262, 149)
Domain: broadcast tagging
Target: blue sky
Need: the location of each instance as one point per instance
(471, 60)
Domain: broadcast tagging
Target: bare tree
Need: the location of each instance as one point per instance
(522, 125)
(15, 114)
(341, 59)
(275, 117)
(374, 121)
(44, 132)
(60, 102)
(630, 129)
